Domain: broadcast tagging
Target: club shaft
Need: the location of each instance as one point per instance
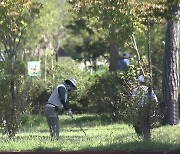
(79, 126)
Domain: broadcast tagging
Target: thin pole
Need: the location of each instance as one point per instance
(148, 137)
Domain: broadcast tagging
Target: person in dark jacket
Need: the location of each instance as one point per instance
(124, 62)
(56, 102)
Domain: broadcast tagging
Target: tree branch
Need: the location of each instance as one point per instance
(137, 52)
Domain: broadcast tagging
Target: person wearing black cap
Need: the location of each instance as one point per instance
(123, 63)
(56, 102)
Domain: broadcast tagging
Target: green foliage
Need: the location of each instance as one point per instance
(109, 92)
(157, 50)
(50, 26)
(137, 113)
(118, 18)
(10, 123)
(85, 39)
(15, 16)
(38, 94)
(40, 89)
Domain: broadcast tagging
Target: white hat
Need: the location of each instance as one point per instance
(141, 78)
(73, 81)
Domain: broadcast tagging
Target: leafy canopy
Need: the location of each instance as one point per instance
(15, 16)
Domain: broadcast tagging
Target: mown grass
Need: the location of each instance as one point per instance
(102, 134)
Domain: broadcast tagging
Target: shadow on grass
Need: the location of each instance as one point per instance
(129, 148)
(45, 149)
(143, 146)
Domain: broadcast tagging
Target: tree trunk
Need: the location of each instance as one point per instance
(114, 56)
(171, 69)
(94, 64)
(12, 125)
(113, 52)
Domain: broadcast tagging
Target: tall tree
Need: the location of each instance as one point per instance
(15, 16)
(85, 41)
(118, 18)
(51, 31)
(171, 64)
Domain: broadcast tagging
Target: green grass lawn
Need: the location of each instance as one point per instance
(102, 134)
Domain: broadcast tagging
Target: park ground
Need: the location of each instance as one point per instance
(102, 136)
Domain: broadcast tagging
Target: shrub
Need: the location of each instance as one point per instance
(11, 110)
(38, 94)
(108, 92)
(40, 89)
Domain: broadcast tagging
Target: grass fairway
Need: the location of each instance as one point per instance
(102, 134)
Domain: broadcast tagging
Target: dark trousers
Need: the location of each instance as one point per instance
(53, 121)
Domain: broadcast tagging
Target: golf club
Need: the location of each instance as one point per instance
(78, 125)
